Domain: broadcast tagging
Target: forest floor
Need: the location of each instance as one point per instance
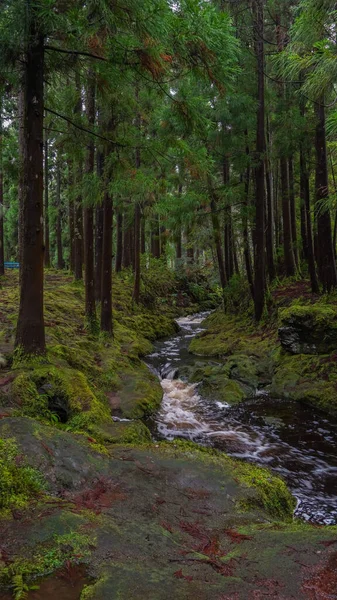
(146, 520)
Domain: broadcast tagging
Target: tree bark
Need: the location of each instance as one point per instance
(46, 206)
(90, 307)
(128, 254)
(136, 287)
(119, 241)
(60, 262)
(259, 279)
(71, 218)
(99, 226)
(30, 333)
(142, 234)
(326, 256)
(106, 272)
(217, 236)
(293, 209)
(155, 237)
(289, 261)
(269, 224)
(305, 199)
(78, 231)
(2, 254)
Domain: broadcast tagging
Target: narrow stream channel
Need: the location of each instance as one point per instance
(295, 441)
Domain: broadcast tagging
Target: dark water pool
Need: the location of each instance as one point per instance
(295, 441)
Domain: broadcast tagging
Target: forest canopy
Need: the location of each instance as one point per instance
(201, 133)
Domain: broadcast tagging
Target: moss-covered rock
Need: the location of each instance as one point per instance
(19, 482)
(308, 379)
(308, 329)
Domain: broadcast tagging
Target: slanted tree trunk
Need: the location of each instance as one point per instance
(30, 333)
(59, 245)
(119, 241)
(46, 206)
(106, 272)
(99, 224)
(326, 256)
(259, 280)
(90, 307)
(2, 255)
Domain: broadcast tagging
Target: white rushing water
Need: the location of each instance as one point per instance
(293, 440)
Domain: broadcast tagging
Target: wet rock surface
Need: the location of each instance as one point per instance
(157, 523)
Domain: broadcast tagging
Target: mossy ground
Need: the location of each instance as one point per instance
(251, 354)
(161, 521)
(85, 378)
(150, 520)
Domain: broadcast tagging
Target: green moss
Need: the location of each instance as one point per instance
(271, 492)
(308, 379)
(18, 482)
(47, 558)
(140, 394)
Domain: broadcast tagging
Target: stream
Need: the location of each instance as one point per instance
(295, 441)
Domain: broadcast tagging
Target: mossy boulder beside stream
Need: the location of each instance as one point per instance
(308, 329)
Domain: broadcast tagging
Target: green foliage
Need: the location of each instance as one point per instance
(18, 482)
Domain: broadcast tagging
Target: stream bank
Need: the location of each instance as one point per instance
(223, 402)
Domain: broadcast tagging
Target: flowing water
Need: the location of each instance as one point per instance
(295, 441)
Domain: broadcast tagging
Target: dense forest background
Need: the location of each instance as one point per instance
(199, 133)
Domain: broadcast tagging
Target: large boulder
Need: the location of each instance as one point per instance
(308, 329)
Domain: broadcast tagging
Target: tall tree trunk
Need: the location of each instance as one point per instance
(245, 236)
(289, 261)
(217, 235)
(304, 227)
(128, 254)
(293, 209)
(78, 233)
(136, 287)
(259, 280)
(305, 199)
(119, 241)
(2, 255)
(90, 308)
(227, 228)
(71, 217)
(30, 333)
(179, 249)
(155, 237)
(326, 256)
(60, 263)
(99, 224)
(142, 234)
(46, 205)
(269, 224)
(106, 272)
